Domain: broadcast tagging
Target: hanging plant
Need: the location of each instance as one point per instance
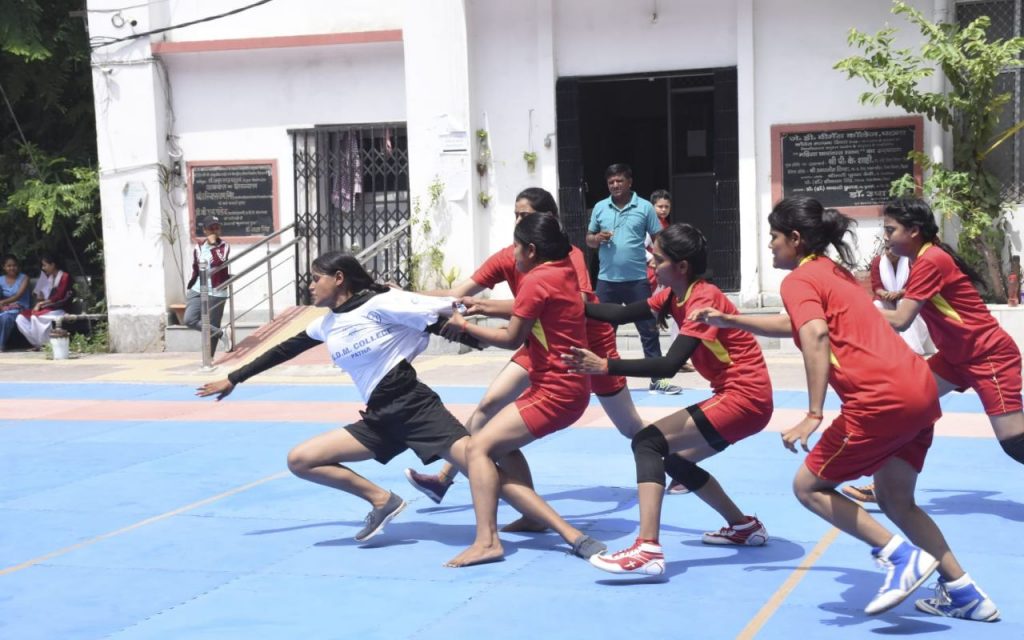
(531, 160)
(484, 198)
(485, 152)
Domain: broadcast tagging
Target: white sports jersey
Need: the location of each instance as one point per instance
(371, 339)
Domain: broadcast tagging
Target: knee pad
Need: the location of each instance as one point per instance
(686, 473)
(649, 450)
(1014, 447)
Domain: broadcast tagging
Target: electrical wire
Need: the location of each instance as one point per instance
(134, 6)
(136, 36)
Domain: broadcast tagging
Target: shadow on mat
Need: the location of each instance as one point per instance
(903, 620)
(623, 498)
(961, 502)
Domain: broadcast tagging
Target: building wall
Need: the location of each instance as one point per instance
(218, 105)
(462, 66)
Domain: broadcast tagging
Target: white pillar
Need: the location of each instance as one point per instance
(441, 136)
(131, 114)
(752, 237)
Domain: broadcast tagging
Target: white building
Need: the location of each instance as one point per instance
(686, 91)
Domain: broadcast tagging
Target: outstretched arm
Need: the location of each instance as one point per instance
(618, 313)
(511, 336)
(584, 361)
(904, 314)
(281, 353)
(769, 326)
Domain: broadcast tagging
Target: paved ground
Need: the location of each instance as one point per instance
(132, 509)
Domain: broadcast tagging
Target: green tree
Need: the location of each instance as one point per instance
(49, 195)
(970, 109)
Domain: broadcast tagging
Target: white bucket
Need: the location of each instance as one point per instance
(61, 347)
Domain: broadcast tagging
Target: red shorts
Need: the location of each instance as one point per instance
(995, 376)
(735, 417)
(601, 340)
(545, 412)
(850, 449)
(522, 357)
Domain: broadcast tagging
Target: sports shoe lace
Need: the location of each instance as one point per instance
(942, 597)
(890, 569)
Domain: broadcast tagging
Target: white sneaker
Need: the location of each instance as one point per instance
(968, 602)
(907, 568)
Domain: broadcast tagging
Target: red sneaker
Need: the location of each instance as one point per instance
(752, 533)
(429, 485)
(642, 557)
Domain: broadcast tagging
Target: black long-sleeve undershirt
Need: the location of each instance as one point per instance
(666, 366)
(281, 353)
(302, 342)
(618, 313)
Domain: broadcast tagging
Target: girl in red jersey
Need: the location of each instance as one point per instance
(510, 383)
(741, 406)
(548, 315)
(881, 429)
(973, 350)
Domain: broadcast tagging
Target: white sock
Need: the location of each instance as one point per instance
(959, 583)
(891, 546)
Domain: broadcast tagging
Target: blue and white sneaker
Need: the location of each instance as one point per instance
(908, 567)
(968, 602)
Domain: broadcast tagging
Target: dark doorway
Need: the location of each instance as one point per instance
(678, 132)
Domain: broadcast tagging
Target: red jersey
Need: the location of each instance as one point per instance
(501, 267)
(873, 370)
(958, 321)
(550, 296)
(729, 359)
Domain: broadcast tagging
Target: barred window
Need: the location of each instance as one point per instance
(1006, 162)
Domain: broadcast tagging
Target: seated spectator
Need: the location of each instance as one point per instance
(14, 297)
(52, 296)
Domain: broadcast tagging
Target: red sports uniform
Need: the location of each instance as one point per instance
(729, 359)
(890, 400)
(974, 351)
(501, 267)
(549, 296)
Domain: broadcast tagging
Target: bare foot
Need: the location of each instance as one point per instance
(477, 554)
(524, 525)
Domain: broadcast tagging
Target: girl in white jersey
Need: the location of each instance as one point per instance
(373, 332)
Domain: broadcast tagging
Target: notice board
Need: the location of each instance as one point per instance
(847, 165)
(242, 194)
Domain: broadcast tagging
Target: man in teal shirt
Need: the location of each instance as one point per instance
(619, 225)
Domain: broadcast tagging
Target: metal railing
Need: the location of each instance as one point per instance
(386, 243)
(234, 285)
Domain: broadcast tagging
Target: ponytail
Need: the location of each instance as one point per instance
(819, 227)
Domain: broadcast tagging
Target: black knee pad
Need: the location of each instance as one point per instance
(1014, 447)
(686, 473)
(649, 451)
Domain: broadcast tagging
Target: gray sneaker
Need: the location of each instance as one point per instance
(585, 546)
(665, 387)
(377, 518)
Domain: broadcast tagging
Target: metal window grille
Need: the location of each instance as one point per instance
(352, 188)
(1006, 162)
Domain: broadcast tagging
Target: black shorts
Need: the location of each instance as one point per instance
(415, 420)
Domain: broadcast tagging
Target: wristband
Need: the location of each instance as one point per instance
(816, 416)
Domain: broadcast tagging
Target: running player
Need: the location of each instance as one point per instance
(514, 378)
(882, 430)
(548, 315)
(741, 406)
(373, 333)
